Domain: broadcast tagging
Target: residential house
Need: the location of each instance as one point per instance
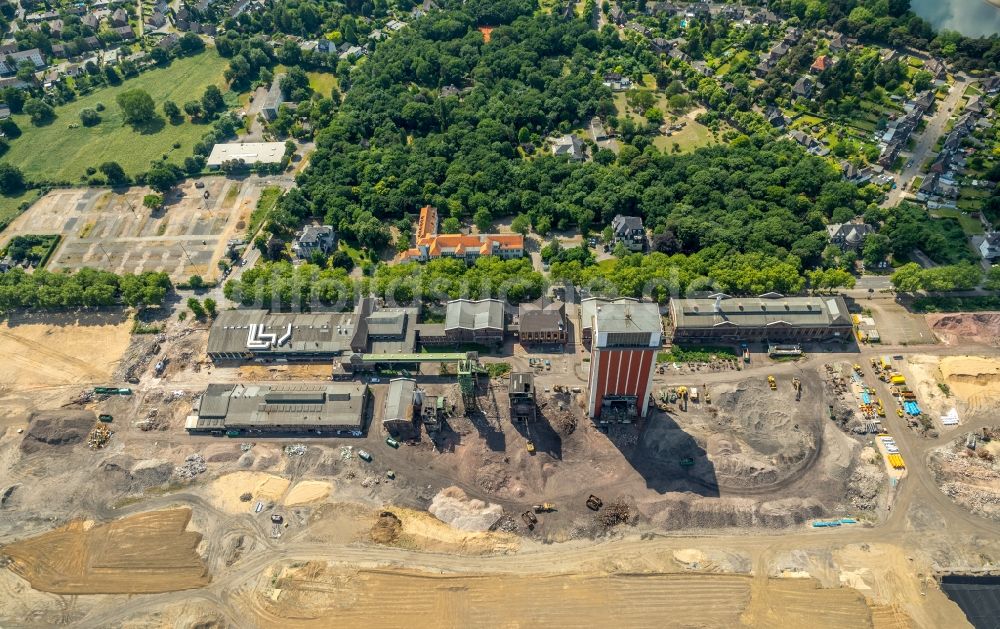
(616, 82)
(570, 146)
(636, 27)
(990, 85)
(629, 231)
(273, 99)
(618, 15)
(989, 248)
(822, 63)
(697, 10)
(542, 322)
(680, 55)
(660, 44)
(92, 43)
(59, 51)
(157, 20)
(56, 29)
(168, 41)
(804, 87)
(312, 239)
(848, 235)
(975, 105)
(394, 25)
(10, 63)
(936, 67)
(776, 117)
(125, 32)
(119, 17)
(661, 9)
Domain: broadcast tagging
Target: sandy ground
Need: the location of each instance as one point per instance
(308, 491)
(149, 552)
(225, 491)
(44, 362)
(973, 383)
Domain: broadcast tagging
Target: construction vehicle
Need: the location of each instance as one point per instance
(694, 394)
(390, 475)
(364, 455)
(594, 503)
(392, 443)
(746, 352)
(858, 369)
(531, 447)
(772, 383)
(797, 384)
(105, 418)
(529, 519)
(899, 412)
(276, 518)
(708, 397)
(545, 507)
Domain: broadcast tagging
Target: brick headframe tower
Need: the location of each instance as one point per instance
(626, 338)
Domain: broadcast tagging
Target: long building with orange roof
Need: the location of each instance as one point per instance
(431, 245)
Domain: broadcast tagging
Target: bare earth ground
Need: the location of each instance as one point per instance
(45, 360)
(113, 230)
(722, 542)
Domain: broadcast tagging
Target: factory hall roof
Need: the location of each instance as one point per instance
(399, 400)
(312, 406)
(474, 315)
(761, 311)
(326, 332)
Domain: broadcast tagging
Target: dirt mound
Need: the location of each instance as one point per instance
(688, 511)
(307, 491)
(973, 379)
(492, 477)
(141, 554)
(452, 506)
(56, 428)
(980, 327)
(386, 529)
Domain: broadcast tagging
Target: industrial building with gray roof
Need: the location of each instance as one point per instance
(770, 317)
(302, 407)
(263, 335)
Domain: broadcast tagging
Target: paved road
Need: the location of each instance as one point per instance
(925, 145)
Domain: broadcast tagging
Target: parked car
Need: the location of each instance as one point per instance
(364, 455)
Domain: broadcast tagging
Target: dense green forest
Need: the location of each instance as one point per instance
(394, 145)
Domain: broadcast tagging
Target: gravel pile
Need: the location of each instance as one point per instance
(452, 506)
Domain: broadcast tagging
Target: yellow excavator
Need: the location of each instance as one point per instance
(772, 383)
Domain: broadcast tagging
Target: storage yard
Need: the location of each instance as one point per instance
(820, 450)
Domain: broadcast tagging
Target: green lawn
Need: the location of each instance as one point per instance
(694, 135)
(323, 83)
(970, 226)
(10, 206)
(57, 153)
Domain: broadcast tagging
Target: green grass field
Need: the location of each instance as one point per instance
(57, 153)
(323, 83)
(10, 205)
(970, 226)
(694, 135)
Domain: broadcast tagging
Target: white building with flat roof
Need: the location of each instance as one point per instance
(248, 152)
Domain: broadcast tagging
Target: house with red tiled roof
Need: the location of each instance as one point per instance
(431, 245)
(822, 63)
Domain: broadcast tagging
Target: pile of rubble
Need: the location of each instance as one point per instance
(99, 437)
(295, 449)
(617, 512)
(452, 506)
(193, 465)
(140, 352)
(152, 421)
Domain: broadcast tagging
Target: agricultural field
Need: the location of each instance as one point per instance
(69, 151)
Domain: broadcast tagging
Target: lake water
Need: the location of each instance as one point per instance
(973, 18)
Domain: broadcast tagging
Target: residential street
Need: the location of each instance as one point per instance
(925, 145)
